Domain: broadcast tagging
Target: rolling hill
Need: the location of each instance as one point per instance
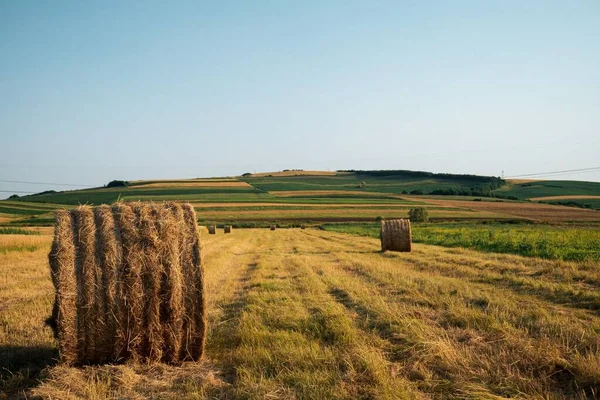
(294, 196)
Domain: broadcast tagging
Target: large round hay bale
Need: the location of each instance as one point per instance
(273, 227)
(395, 235)
(128, 284)
(227, 229)
(212, 229)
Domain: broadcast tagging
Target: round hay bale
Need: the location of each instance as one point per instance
(129, 284)
(396, 235)
(212, 229)
(273, 227)
(302, 226)
(227, 228)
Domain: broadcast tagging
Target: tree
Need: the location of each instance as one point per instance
(117, 183)
(419, 214)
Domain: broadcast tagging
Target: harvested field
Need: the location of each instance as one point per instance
(267, 205)
(7, 217)
(307, 193)
(17, 243)
(297, 173)
(313, 314)
(347, 214)
(520, 181)
(192, 184)
(533, 211)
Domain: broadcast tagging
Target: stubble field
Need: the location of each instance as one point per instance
(314, 314)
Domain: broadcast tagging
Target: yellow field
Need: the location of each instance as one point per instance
(520, 181)
(7, 217)
(189, 184)
(307, 314)
(299, 173)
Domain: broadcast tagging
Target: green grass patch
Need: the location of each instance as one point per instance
(16, 231)
(20, 211)
(110, 195)
(550, 188)
(551, 242)
(393, 184)
(593, 204)
(33, 222)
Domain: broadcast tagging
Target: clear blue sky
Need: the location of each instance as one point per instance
(92, 91)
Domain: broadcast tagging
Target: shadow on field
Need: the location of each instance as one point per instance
(20, 367)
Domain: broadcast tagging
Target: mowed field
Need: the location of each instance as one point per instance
(309, 314)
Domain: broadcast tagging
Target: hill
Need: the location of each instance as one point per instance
(576, 193)
(295, 196)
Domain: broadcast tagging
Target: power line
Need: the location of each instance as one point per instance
(15, 191)
(567, 171)
(47, 183)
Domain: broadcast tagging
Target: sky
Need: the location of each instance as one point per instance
(100, 90)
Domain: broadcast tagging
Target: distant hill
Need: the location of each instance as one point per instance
(579, 193)
(354, 195)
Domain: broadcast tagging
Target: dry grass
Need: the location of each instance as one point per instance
(313, 314)
(129, 284)
(395, 235)
(192, 184)
(298, 173)
(533, 211)
(18, 243)
(521, 181)
(8, 217)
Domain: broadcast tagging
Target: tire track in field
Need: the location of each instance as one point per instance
(335, 325)
(230, 270)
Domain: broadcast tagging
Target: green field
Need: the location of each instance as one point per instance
(587, 203)
(550, 188)
(396, 182)
(551, 242)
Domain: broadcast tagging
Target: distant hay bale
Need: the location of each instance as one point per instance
(273, 227)
(227, 229)
(129, 284)
(395, 235)
(302, 226)
(212, 229)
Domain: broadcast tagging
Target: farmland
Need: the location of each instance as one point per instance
(576, 243)
(313, 196)
(315, 314)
